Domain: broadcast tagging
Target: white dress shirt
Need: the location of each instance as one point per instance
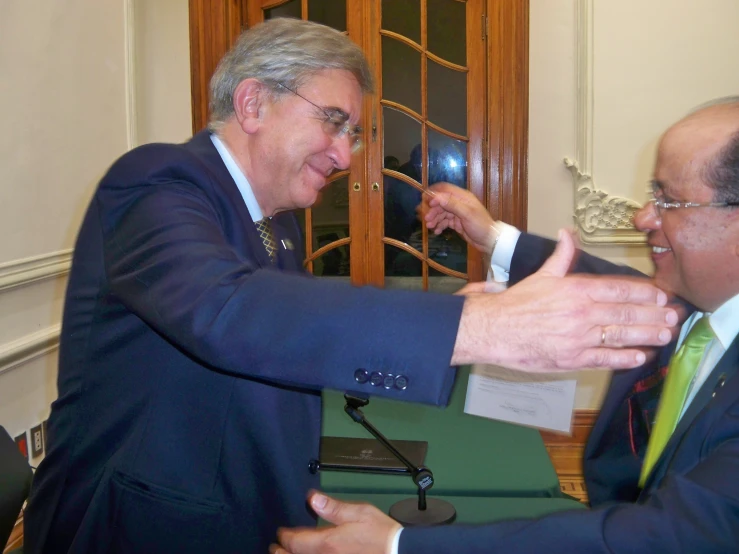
(239, 178)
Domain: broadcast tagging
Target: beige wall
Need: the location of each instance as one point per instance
(83, 81)
(63, 93)
(63, 99)
(162, 68)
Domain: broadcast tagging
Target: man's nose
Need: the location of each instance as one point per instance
(340, 151)
(647, 218)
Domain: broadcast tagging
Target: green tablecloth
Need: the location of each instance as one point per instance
(472, 509)
(468, 455)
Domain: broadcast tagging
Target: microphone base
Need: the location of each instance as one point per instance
(437, 512)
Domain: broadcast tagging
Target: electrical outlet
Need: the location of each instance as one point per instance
(22, 442)
(37, 441)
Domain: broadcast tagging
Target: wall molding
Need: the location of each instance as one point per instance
(18, 352)
(129, 38)
(600, 217)
(18, 273)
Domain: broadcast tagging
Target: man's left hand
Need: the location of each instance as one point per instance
(358, 529)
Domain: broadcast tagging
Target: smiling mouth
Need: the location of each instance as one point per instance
(321, 171)
(660, 249)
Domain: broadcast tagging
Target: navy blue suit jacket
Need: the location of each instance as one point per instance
(690, 503)
(190, 367)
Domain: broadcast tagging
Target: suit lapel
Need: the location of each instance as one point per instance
(725, 370)
(624, 388)
(202, 145)
(289, 242)
(618, 390)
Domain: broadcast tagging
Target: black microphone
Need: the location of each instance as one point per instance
(409, 512)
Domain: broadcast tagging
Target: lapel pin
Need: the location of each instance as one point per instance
(287, 244)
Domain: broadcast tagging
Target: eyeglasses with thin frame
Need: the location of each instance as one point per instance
(336, 123)
(661, 202)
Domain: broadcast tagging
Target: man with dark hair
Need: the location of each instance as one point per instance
(662, 461)
(193, 347)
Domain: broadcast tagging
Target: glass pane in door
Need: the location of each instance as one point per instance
(447, 97)
(402, 151)
(446, 284)
(288, 9)
(448, 163)
(402, 154)
(401, 74)
(328, 12)
(329, 253)
(403, 17)
(447, 159)
(403, 269)
(446, 23)
(424, 87)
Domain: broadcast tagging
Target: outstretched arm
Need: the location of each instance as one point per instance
(552, 320)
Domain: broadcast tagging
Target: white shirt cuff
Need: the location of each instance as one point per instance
(500, 261)
(396, 542)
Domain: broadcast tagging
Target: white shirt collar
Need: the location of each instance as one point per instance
(239, 178)
(724, 322)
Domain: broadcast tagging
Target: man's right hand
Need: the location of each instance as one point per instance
(551, 321)
(452, 207)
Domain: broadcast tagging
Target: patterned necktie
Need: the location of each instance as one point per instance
(264, 226)
(683, 365)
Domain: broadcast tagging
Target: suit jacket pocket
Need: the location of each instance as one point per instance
(145, 517)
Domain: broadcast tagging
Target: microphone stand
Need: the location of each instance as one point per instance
(409, 512)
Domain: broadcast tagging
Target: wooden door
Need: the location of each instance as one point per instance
(438, 77)
(428, 116)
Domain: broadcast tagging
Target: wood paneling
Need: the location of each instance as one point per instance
(566, 453)
(508, 110)
(214, 27)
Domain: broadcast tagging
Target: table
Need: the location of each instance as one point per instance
(472, 510)
(468, 455)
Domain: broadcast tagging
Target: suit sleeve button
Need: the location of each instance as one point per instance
(361, 376)
(388, 381)
(401, 382)
(376, 378)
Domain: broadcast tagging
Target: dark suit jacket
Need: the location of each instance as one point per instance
(689, 504)
(15, 481)
(190, 367)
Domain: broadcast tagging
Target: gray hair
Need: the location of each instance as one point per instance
(722, 172)
(285, 51)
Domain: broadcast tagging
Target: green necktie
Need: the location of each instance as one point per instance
(683, 365)
(264, 226)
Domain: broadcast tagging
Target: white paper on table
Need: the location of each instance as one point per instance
(521, 398)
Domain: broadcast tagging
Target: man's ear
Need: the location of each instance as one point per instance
(249, 100)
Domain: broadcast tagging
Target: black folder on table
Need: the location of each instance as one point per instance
(369, 455)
